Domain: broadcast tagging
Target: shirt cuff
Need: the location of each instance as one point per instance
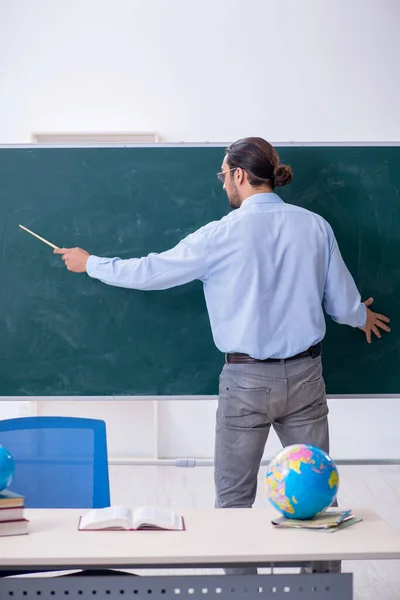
(91, 265)
(361, 315)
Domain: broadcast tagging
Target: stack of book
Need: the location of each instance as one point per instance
(333, 519)
(12, 520)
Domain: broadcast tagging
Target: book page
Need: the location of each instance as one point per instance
(103, 518)
(156, 517)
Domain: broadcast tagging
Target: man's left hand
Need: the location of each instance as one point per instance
(75, 258)
(374, 322)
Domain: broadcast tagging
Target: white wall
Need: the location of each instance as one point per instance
(210, 70)
(140, 432)
(216, 70)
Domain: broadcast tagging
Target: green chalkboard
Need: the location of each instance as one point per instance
(63, 334)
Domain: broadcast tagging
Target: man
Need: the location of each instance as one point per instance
(267, 269)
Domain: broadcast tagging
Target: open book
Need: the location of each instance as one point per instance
(125, 518)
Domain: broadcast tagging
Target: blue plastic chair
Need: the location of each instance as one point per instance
(60, 462)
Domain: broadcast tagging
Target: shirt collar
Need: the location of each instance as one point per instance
(264, 198)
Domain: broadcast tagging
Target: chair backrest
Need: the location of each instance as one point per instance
(60, 462)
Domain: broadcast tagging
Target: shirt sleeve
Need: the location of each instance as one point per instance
(182, 264)
(342, 300)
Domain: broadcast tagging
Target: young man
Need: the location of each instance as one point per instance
(267, 268)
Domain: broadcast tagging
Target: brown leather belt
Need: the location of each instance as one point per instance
(237, 358)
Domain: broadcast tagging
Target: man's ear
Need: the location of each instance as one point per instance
(241, 175)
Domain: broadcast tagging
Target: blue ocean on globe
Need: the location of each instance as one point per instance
(301, 481)
(7, 468)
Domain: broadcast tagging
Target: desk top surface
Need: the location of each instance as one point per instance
(212, 537)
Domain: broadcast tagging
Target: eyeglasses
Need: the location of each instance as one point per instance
(221, 174)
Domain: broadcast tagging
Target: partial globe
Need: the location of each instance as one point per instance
(7, 468)
(301, 481)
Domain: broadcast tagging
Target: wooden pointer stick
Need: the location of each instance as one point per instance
(39, 238)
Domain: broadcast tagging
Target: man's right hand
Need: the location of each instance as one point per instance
(374, 322)
(75, 258)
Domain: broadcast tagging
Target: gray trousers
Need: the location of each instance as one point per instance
(290, 396)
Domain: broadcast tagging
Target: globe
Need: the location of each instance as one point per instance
(7, 468)
(301, 481)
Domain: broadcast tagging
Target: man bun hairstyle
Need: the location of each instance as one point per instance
(283, 175)
(260, 160)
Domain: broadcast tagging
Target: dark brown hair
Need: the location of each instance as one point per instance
(260, 160)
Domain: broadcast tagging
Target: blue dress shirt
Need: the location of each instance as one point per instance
(267, 269)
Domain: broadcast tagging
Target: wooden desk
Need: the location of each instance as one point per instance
(213, 538)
